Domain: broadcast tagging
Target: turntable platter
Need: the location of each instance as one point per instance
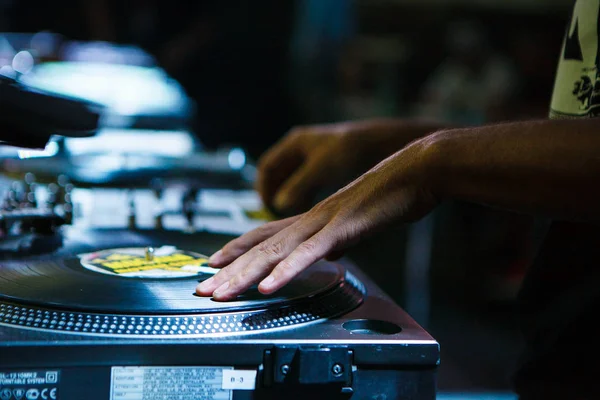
(101, 275)
(65, 282)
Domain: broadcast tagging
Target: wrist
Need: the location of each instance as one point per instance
(432, 171)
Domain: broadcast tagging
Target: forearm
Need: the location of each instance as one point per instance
(548, 167)
(385, 136)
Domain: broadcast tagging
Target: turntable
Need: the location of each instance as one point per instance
(112, 315)
(108, 311)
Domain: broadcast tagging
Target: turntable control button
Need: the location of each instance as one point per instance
(29, 178)
(30, 188)
(31, 199)
(68, 213)
(68, 192)
(7, 204)
(12, 197)
(17, 192)
(68, 208)
(62, 180)
(61, 188)
(52, 199)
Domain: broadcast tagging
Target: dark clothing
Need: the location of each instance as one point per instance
(560, 303)
(560, 297)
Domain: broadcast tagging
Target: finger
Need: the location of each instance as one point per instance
(247, 276)
(305, 255)
(265, 254)
(207, 287)
(257, 264)
(300, 188)
(242, 244)
(277, 165)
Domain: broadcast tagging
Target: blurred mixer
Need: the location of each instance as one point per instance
(144, 127)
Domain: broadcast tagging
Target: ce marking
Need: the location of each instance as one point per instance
(48, 394)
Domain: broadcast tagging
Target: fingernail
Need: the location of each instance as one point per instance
(221, 289)
(215, 258)
(267, 282)
(205, 284)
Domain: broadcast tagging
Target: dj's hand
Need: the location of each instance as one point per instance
(312, 158)
(396, 190)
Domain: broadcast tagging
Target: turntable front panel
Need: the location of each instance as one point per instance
(391, 355)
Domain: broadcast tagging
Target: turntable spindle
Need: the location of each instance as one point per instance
(149, 253)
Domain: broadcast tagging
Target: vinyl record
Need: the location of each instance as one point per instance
(107, 271)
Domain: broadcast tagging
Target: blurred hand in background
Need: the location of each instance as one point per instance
(312, 159)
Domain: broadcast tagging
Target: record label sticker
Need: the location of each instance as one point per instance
(139, 262)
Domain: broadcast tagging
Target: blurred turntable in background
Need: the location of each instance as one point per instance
(167, 101)
(228, 58)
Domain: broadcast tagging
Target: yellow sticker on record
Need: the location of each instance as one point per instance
(148, 262)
